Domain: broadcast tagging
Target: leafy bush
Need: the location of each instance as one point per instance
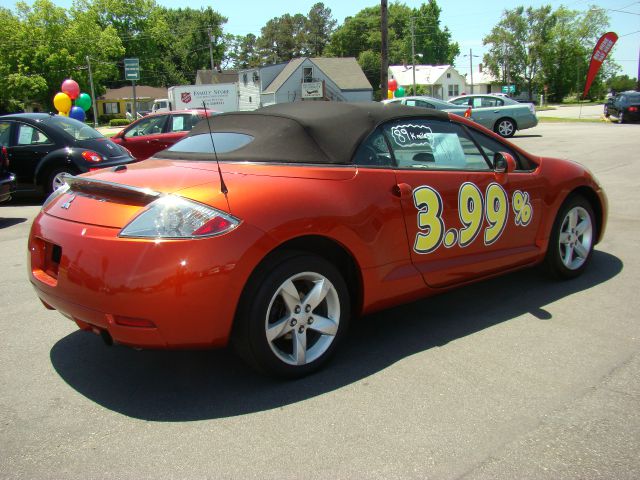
(119, 122)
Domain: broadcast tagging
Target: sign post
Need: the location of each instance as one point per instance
(132, 72)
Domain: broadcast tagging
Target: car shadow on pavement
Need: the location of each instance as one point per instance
(10, 222)
(173, 386)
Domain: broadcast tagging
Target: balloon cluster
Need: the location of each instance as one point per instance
(71, 92)
(395, 90)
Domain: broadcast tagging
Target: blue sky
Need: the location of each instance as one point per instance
(468, 20)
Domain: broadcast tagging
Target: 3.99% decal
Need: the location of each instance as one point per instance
(473, 210)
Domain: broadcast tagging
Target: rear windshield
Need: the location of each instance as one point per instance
(204, 143)
(78, 130)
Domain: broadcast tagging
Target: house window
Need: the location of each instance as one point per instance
(111, 108)
(453, 91)
(448, 75)
(307, 74)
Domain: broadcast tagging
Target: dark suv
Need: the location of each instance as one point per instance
(624, 106)
(42, 148)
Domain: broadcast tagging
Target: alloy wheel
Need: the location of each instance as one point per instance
(576, 237)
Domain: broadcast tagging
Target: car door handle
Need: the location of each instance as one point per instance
(402, 190)
(155, 140)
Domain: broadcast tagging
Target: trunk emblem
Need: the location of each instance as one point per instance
(67, 204)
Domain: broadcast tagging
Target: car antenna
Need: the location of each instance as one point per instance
(223, 186)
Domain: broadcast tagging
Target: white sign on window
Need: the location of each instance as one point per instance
(312, 90)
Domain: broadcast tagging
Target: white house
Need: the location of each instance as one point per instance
(336, 79)
(483, 81)
(253, 81)
(441, 81)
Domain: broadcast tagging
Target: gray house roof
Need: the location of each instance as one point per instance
(344, 72)
(207, 77)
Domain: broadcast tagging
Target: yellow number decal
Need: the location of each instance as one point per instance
(429, 205)
(470, 213)
(522, 208)
(496, 211)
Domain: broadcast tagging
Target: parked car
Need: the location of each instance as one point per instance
(155, 132)
(43, 147)
(502, 115)
(302, 216)
(624, 106)
(499, 118)
(7, 179)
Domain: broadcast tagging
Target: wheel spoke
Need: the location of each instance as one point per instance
(573, 218)
(581, 251)
(324, 325)
(290, 295)
(583, 227)
(317, 293)
(568, 255)
(300, 347)
(278, 329)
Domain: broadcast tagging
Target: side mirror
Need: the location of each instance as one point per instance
(503, 162)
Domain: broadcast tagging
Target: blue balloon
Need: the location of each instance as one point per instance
(77, 113)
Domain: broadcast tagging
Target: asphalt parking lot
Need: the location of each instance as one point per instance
(517, 377)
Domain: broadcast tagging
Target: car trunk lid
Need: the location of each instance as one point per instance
(113, 197)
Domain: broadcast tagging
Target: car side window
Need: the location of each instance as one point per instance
(419, 103)
(147, 126)
(28, 135)
(373, 151)
(460, 101)
(5, 133)
(491, 146)
(433, 144)
(489, 102)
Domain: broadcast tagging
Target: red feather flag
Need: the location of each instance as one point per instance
(600, 52)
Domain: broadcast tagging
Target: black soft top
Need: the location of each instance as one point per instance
(302, 132)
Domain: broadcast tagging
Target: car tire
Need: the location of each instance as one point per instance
(505, 127)
(53, 179)
(572, 238)
(276, 331)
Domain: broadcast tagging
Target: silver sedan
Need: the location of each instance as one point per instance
(502, 115)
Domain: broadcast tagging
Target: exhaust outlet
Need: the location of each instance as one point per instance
(106, 337)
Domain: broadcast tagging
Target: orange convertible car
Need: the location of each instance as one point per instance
(270, 229)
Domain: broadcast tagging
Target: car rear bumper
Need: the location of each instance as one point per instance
(144, 293)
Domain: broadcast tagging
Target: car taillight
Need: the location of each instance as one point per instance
(90, 156)
(174, 217)
(5, 157)
(633, 109)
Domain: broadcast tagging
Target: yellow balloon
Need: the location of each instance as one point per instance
(389, 94)
(64, 114)
(62, 102)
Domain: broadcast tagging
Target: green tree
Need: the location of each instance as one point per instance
(359, 36)
(320, 26)
(621, 83)
(537, 48)
(517, 46)
(283, 38)
(44, 44)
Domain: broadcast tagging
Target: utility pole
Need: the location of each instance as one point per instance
(471, 55)
(384, 68)
(211, 51)
(93, 95)
(413, 53)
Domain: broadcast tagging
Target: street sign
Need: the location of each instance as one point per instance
(131, 69)
(508, 89)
